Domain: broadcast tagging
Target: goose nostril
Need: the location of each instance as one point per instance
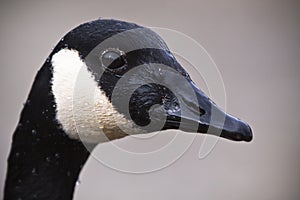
(202, 111)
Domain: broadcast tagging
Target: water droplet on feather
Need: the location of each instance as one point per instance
(33, 132)
(34, 171)
(48, 159)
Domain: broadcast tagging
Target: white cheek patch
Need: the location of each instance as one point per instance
(92, 120)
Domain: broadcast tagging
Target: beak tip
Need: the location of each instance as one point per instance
(248, 134)
(237, 130)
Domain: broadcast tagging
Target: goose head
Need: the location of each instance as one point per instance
(113, 78)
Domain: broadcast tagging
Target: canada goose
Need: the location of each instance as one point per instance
(48, 149)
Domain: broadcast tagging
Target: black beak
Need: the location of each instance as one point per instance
(202, 115)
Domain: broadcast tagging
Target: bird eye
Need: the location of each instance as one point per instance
(113, 59)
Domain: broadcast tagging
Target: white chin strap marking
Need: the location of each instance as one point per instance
(83, 117)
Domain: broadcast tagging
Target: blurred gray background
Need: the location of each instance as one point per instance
(256, 46)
